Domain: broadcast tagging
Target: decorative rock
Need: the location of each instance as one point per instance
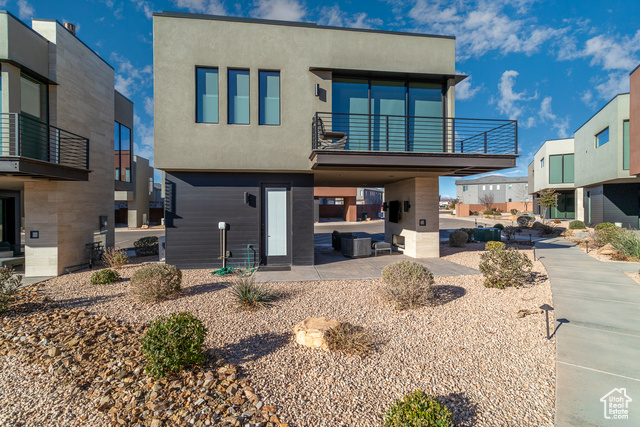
(54, 352)
(310, 332)
(608, 249)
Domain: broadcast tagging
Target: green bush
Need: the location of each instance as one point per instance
(408, 284)
(418, 410)
(604, 225)
(514, 211)
(104, 277)
(576, 225)
(249, 295)
(172, 343)
(547, 230)
(509, 232)
(537, 225)
(146, 246)
(499, 226)
(470, 231)
(156, 282)
(458, 239)
(504, 267)
(489, 212)
(9, 284)
(626, 241)
(524, 220)
(608, 234)
(493, 245)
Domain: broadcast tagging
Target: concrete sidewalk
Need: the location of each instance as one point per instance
(598, 341)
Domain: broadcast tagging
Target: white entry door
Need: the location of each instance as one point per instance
(276, 224)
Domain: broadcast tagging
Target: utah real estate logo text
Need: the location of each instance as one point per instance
(616, 404)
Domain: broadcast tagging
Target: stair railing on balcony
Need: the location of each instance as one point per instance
(393, 133)
(22, 136)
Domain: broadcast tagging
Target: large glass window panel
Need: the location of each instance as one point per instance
(425, 111)
(625, 145)
(33, 98)
(350, 107)
(569, 167)
(269, 82)
(125, 152)
(602, 138)
(570, 204)
(239, 97)
(34, 142)
(116, 148)
(555, 169)
(388, 107)
(207, 95)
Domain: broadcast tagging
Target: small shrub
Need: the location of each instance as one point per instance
(537, 225)
(172, 343)
(547, 230)
(514, 211)
(576, 225)
(146, 246)
(510, 232)
(504, 267)
(604, 225)
(493, 245)
(524, 220)
(488, 212)
(104, 277)
(115, 258)
(247, 294)
(608, 234)
(458, 239)
(556, 221)
(349, 339)
(625, 241)
(408, 284)
(470, 231)
(619, 257)
(156, 282)
(9, 285)
(418, 410)
(499, 226)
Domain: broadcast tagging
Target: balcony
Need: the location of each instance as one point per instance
(33, 149)
(361, 146)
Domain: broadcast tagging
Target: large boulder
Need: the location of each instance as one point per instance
(608, 249)
(310, 332)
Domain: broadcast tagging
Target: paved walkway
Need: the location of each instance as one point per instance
(598, 341)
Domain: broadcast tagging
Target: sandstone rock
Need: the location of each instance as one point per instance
(608, 249)
(310, 332)
(54, 352)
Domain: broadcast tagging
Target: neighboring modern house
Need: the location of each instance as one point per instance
(133, 198)
(553, 168)
(56, 136)
(503, 193)
(251, 115)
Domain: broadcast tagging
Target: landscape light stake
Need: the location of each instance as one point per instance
(586, 242)
(534, 254)
(546, 308)
(529, 237)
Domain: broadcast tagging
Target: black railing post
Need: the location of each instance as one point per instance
(387, 131)
(18, 133)
(453, 134)
(407, 144)
(516, 142)
(445, 148)
(485, 143)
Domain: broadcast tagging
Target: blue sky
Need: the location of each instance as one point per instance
(549, 64)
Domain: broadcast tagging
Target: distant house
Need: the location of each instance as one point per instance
(502, 189)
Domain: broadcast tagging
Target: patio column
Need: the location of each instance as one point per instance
(418, 221)
(350, 209)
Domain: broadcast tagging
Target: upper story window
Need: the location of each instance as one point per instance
(625, 145)
(207, 95)
(510, 185)
(269, 107)
(465, 188)
(561, 169)
(542, 162)
(484, 187)
(33, 98)
(497, 186)
(123, 154)
(239, 97)
(602, 138)
(491, 187)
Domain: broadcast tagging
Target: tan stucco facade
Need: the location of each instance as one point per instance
(634, 122)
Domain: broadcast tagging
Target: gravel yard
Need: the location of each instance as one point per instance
(471, 349)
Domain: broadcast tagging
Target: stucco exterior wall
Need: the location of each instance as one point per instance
(18, 43)
(182, 144)
(541, 174)
(634, 123)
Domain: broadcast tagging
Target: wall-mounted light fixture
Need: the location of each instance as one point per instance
(246, 197)
(407, 205)
(385, 206)
(317, 89)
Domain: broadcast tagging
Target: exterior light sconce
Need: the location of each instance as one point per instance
(317, 93)
(246, 198)
(385, 206)
(546, 308)
(406, 206)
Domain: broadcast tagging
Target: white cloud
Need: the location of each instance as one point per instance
(145, 6)
(283, 10)
(615, 83)
(483, 27)
(560, 124)
(464, 91)
(129, 79)
(587, 98)
(510, 101)
(334, 16)
(211, 7)
(613, 54)
(25, 10)
(527, 124)
(143, 138)
(148, 106)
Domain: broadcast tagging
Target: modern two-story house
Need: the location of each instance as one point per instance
(251, 114)
(56, 145)
(553, 168)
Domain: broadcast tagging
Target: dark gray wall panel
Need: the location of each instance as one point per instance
(197, 201)
(621, 204)
(597, 202)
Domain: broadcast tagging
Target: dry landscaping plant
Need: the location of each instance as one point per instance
(505, 267)
(249, 295)
(418, 410)
(115, 258)
(156, 282)
(9, 285)
(608, 233)
(510, 232)
(349, 339)
(493, 245)
(458, 239)
(172, 343)
(408, 284)
(146, 246)
(104, 277)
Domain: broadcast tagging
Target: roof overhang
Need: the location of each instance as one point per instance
(380, 74)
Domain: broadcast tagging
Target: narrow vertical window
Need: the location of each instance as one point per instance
(125, 153)
(239, 97)
(207, 95)
(269, 97)
(602, 138)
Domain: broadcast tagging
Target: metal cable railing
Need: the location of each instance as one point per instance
(22, 136)
(376, 132)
